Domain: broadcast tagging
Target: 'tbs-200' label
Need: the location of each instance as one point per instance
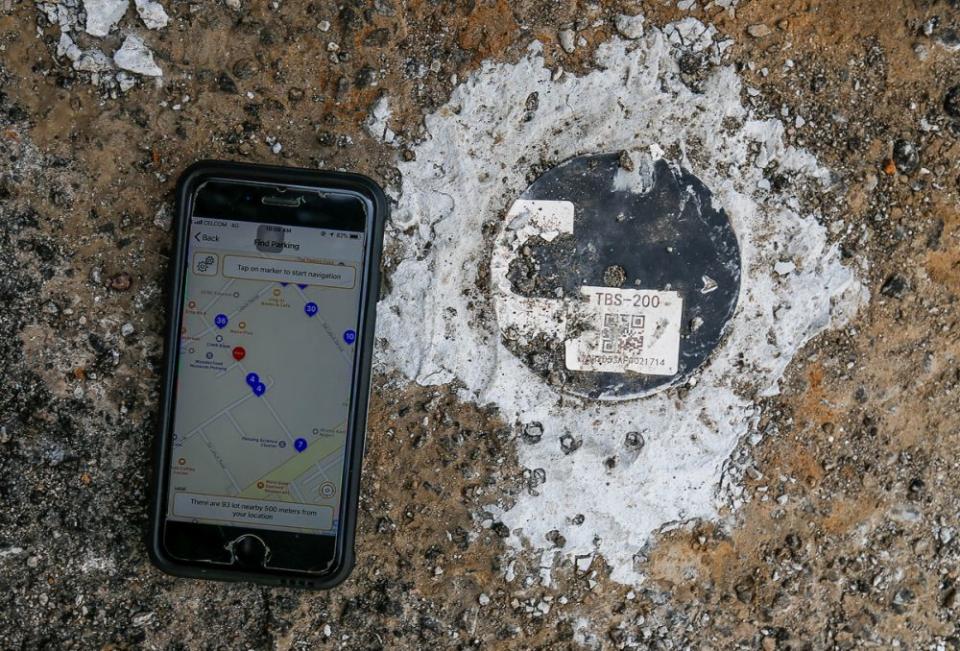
(635, 330)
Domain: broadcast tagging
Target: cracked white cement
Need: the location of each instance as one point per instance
(436, 325)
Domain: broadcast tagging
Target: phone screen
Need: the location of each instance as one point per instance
(269, 323)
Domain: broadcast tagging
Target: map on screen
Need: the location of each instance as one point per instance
(264, 373)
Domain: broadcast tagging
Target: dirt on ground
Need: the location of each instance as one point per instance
(849, 535)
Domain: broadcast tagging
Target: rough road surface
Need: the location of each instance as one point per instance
(846, 531)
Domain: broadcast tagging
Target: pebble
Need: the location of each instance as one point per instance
(245, 67)
(126, 329)
(533, 432)
(630, 26)
(583, 563)
(163, 218)
(634, 440)
(906, 156)
(103, 15)
(152, 14)
(121, 282)
(226, 83)
(232, 4)
(784, 267)
(136, 57)
(483, 599)
(758, 31)
(569, 444)
(567, 40)
(894, 286)
(951, 102)
(614, 276)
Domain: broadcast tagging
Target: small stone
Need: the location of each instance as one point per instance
(226, 83)
(583, 563)
(502, 530)
(295, 94)
(326, 139)
(758, 31)
(136, 57)
(951, 102)
(121, 282)
(103, 15)
(894, 286)
(377, 38)
(744, 589)
(232, 4)
(784, 267)
(634, 440)
(569, 444)
(126, 329)
(630, 26)
(901, 599)
(614, 276)
(483, 599)
(567, 40)
(125, 81)
(152, 14)
(244, 68)
(533, 432)
(324, 25)
(709, 285)
(533, 102)
(906, 156)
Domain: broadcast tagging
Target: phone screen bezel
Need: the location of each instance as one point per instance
(323, 557)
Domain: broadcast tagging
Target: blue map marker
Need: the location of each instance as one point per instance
(220, 320)
(300, 445)
(311, 308)
(302, 285)
(253, 379)
(350, 336)
(259, 388)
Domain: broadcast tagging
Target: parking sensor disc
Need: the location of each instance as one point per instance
(615, 275)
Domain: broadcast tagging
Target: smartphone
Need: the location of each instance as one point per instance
(273, 288)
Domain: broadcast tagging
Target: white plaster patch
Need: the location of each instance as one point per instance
(437, 324)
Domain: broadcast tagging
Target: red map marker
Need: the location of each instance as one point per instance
(239, 353)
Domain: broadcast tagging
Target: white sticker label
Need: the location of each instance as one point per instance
(625, 330)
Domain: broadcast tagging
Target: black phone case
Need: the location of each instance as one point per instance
(189, 180)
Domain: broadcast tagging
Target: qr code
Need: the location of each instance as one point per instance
(622, 333)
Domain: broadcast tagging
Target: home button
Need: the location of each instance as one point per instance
(249, 551)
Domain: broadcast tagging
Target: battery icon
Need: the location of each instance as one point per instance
(354, 236)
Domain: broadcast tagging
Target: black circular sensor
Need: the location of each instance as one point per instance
(649, 232)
